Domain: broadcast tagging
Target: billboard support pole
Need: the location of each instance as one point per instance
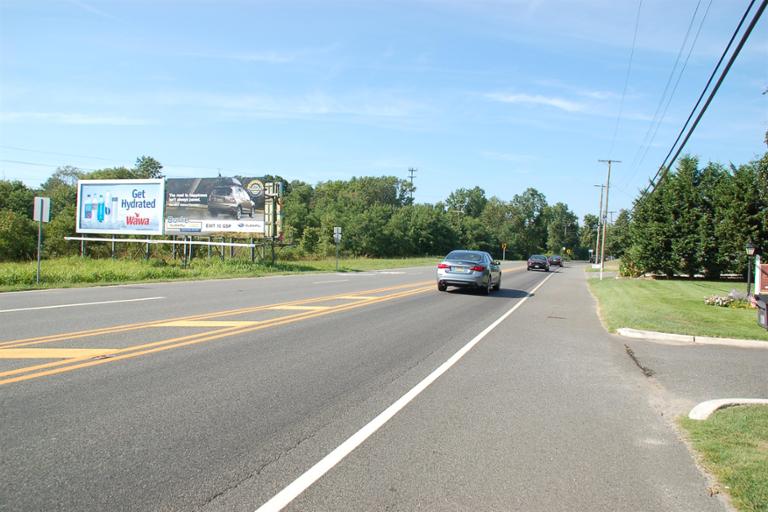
(146, 252)
(39, 241)
(82, 248)
(113, 246)
(210, 239)
(273, 250)
(231, 248)
(253, 251)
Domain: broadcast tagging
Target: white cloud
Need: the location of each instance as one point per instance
(267, 56)
(311, 104)
(71, 118)
(536, 99)
(92, 9)
(506, 157)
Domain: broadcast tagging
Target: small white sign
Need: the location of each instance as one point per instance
(42, 211)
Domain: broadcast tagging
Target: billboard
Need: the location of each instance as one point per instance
(120, 207)
(207, 206)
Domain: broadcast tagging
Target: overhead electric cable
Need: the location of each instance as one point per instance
(674, 90)
(656, 120)
(663, 169)
(626, 79)
(706, 87)
(91, 157)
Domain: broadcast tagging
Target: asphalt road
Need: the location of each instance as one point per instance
(217, 395)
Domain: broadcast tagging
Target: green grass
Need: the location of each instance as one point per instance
(674, 306)
(733, 444)
(75, 271)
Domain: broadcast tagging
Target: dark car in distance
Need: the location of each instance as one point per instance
(538, 261)
(556, 260)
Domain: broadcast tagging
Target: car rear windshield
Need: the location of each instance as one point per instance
(538, 257)
(464, 256)
(222, 191)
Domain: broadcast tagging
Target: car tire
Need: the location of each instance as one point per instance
(250, 213)
(497, 286)
(486, 290)
(238, 213)
(529, 269)
(441, 287)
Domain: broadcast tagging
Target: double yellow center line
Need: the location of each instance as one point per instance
(76, 358)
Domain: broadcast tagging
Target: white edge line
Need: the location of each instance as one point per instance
(294, 489)
(79, 304)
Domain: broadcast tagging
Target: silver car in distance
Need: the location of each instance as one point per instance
(469, 269)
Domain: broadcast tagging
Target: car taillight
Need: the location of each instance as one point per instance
(478, 268)
(443, 265)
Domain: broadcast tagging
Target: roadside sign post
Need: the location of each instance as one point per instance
(504, 251)
(337, 240)
(41, 213)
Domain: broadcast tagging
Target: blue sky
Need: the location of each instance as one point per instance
(504, 95)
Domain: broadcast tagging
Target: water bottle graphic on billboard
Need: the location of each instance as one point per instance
(88, 209)
(100, 209)
(121, 206)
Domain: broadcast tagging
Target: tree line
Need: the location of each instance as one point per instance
(696, 221)
(377, 215)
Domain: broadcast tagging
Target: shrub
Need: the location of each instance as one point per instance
(18, 237)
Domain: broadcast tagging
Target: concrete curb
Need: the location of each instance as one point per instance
(705, 409)
(684, 339)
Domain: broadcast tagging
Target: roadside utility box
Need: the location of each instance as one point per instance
(762, 315)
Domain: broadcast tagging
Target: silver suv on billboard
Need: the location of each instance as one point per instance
(231, 199)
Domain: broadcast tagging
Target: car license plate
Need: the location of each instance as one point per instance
(460, 270)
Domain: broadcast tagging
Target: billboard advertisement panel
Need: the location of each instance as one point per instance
(207, 206)
(120, 207)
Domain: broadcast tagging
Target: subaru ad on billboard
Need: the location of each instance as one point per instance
(120, 207)
(207, 206)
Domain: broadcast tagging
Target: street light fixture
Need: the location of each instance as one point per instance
(750, 248)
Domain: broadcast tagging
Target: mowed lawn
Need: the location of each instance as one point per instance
(75, 271)
(733, 444)
(674, 306)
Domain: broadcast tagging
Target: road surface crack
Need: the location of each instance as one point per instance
(631, 353)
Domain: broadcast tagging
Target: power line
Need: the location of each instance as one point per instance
(663, 169)
(15, 148)
(626, 79)
(674, 90)
(101, 158)
(657, 118)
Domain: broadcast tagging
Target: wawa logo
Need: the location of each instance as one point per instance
(137, 220)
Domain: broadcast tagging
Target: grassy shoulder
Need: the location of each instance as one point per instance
(610, 266)
(75, 271)
(733, 444)
(674, 306)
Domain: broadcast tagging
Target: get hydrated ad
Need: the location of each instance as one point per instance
(120, 206)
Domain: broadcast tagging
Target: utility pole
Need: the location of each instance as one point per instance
(599, 223)
(611, 214)
(607, 191)
(411, 172)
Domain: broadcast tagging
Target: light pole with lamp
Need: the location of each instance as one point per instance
(750, 248)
